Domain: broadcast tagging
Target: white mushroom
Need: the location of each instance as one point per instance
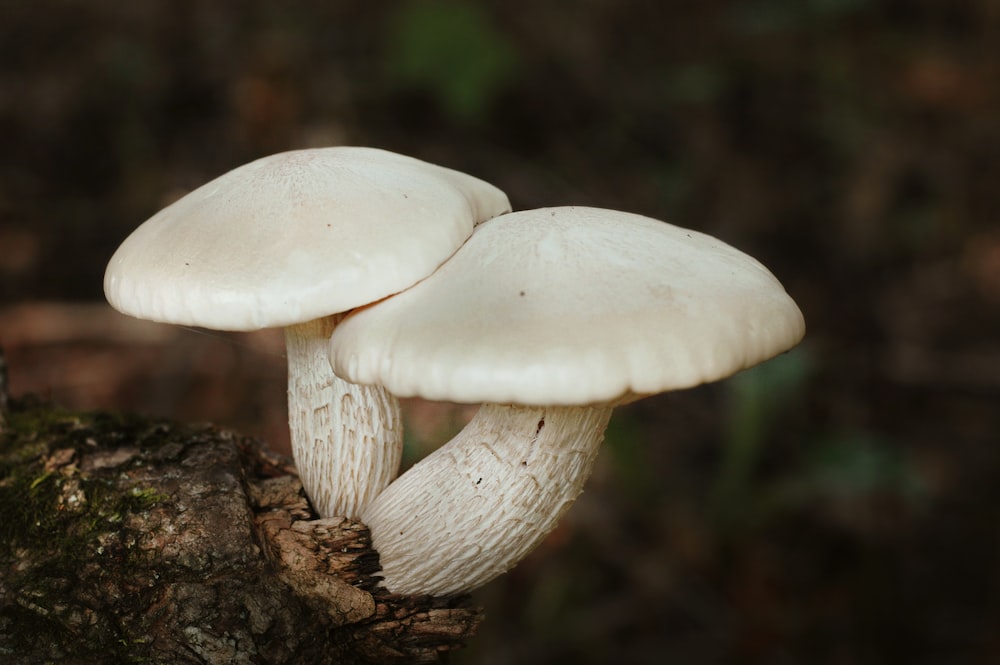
(292, 240)
(550, 318)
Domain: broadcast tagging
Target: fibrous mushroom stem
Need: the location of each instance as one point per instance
(346, 439)
(479, 504)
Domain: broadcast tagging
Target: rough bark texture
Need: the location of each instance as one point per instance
(125, 540)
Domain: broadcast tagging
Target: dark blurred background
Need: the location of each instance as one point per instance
(838, 505)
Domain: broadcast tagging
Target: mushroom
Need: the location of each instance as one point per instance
(549, 318)
(293, 240)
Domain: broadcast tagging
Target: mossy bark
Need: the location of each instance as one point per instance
(127, 540)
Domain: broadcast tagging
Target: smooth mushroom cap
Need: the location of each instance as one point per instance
(296, 236)
(567, 306)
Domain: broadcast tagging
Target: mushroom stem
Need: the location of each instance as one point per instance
(479, 504)
(347, 439)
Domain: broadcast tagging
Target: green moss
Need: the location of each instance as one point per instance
(39, 505)
(68, 520)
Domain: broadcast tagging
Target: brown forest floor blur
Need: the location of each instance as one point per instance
(840, 505)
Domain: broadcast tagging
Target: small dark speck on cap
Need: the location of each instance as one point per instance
(521, 293)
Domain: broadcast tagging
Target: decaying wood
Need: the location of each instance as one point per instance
(126, 540)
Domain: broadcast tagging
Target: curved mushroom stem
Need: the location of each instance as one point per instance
(479, 504)
(347, 439)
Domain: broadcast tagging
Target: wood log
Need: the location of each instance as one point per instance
(130, 540)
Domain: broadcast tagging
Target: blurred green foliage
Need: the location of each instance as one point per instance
(454, 52)
(697, 83)
(756, 397)
(841, 469)
(621, 443)
(776, 16)
(847, 465)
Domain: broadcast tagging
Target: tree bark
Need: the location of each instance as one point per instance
(128, 540)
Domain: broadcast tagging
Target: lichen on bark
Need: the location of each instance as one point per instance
(130, 540)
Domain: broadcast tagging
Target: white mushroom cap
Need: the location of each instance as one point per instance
(571, 306)
(296, 236)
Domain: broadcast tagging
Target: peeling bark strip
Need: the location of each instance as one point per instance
(125, 540)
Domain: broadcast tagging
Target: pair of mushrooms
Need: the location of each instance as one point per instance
(409, 279)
